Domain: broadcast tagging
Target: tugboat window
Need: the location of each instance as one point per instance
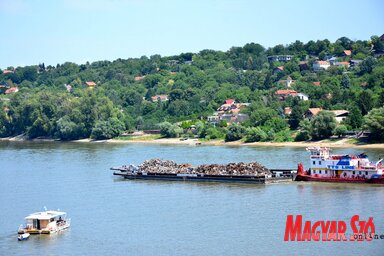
(326, 172)
(320, 171)
(319, 162)
(353, 172)
(366, 173)
(314, 162)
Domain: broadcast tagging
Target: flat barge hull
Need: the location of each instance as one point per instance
(205, 178)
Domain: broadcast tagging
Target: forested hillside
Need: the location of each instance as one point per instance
(176, 93)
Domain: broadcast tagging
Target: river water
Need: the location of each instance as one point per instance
(121, 217)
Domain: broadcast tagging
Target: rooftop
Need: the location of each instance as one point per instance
(44, 215)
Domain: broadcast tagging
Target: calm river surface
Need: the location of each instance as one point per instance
(120, 217)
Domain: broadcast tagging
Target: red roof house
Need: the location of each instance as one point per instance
(12, 90)
(230, 101)
(90, 84)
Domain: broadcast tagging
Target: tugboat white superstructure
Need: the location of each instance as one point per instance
(340, 168)
(45, 222)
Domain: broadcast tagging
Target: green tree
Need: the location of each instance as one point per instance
(374, 122)
(354, 118)
(365, 101)
(234, 132)
(304, 131)
(322, 125)
(341, 130)
(254, 134)
(169, 130)
(345, 81)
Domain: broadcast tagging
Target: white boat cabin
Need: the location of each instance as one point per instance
(322, 164)
(45, 222)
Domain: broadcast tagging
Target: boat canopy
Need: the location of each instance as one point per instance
(44, 215)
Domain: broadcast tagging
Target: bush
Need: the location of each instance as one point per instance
(234, 132)
(169, 130)
(255, 134)
(341, 130)
(303, 136)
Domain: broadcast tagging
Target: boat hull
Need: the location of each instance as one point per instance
(303, 177)
(206, 178)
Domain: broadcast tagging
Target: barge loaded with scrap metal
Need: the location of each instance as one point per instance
(157, 169)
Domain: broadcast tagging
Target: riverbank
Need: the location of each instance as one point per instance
(338, 143)
(334, 144)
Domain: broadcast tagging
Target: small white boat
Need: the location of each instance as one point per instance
(45, 222)
(23, 237)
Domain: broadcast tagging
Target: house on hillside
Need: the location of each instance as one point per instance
(332, 60)
(284, 94)
(160, 97)
(340, 115)
(311, 112)
(139, 78)
(347, 53)
(317, 83)
(342, 63)
(321, 65)
(302, 96)
(11, 90)
(282, 58)
(90, 84)
(234, 118)
(231, 106)
(6, 71)
(288, 82)
(353, 63)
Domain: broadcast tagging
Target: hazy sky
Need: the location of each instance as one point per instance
(56, 31)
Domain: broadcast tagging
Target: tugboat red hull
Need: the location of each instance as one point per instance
(303, 177)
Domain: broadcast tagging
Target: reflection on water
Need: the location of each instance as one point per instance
(113, 215)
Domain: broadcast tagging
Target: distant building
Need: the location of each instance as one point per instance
(353, 63)
(234, 118)
(302, 96)
(139, 78)
(6, 71)
(311, 112)
(317, 83)
(90, 84)
(288, 82)
(342, 63)
(161, 97)
(321, 65)
(283, 58)
(12, 90)
(340, 115)
(347, 52)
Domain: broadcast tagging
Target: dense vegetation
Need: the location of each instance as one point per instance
(196, 85)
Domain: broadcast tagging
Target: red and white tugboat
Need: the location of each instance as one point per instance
(340, 168)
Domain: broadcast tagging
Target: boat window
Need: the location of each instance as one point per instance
(326, 172)
(360, 172)
(366, 173)
(319, 162)
(353, 172)
(320, 171)
(313, 162)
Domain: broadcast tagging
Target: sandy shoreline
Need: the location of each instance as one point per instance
(177, 141)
